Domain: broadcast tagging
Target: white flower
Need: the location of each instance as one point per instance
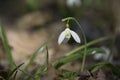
(71, 3)
(66, 34)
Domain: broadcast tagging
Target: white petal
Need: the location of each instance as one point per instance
(61, 37)
(75, 36)
(71, 3)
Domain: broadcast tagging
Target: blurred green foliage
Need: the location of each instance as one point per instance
(33, 4)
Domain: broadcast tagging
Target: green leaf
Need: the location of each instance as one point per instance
(6, 46)
(102, 65)
(88, 44)
(74, 56)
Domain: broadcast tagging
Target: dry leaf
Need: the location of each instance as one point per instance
(100, 75)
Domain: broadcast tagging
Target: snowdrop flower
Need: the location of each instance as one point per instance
(66, 35)
(71, 3)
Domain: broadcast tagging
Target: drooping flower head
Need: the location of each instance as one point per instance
(71, 3)
(66, 34)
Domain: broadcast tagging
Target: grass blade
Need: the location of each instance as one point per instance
(87, 45)
(6, 46)
(35, 54)
(12, 72)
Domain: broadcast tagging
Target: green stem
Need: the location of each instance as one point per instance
(85, 42)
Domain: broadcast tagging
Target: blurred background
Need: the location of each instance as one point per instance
(28, 23)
